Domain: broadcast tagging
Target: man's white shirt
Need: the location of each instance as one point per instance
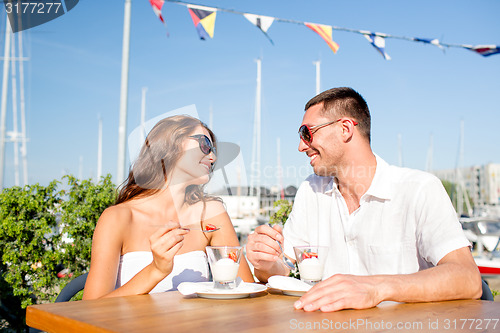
(405, 223)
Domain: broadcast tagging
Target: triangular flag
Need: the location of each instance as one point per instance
(378, 42)
(203, 19)
(325, 31)
(433, 41)
(485, 50)
(261, 22)
(157, 5)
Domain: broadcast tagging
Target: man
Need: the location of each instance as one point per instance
(392, 232)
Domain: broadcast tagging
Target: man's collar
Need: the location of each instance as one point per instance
(381, 184)
(331, 186)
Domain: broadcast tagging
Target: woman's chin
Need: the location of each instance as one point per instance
(203, 179)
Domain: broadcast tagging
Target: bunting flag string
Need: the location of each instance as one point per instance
(204, 20)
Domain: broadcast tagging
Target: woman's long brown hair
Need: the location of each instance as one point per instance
(159, 154)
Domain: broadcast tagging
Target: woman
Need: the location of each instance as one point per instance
(138, 246)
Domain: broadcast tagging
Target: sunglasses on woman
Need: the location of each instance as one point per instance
(206, 145)
(306, 132)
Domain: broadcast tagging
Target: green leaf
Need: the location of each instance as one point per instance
(284, 208)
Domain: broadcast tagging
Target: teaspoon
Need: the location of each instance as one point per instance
(287, 261)
(208, 228)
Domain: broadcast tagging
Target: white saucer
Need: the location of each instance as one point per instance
(288, 285)
(297, 293)
(207, 290)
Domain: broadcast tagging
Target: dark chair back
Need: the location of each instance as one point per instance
(72, 288)
(487, 295)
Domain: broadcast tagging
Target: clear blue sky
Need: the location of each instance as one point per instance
(73, 76)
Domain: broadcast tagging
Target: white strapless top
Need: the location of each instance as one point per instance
(190, 267)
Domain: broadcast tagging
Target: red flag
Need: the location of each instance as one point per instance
(485, 50)
(325, 31)
(157, 5)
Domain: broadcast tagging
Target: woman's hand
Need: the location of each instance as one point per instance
(165, 243)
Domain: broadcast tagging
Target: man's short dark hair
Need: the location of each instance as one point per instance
(344, 102)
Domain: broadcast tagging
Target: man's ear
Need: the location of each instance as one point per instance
(347, 130)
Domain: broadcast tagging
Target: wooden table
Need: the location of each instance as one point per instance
(172, 312)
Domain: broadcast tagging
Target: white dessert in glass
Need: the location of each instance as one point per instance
(311, 261)
(224, 264)
(225, 270)
(311, 269)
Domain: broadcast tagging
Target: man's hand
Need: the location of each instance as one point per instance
(456, 276)
(263, 251)
(341, 291)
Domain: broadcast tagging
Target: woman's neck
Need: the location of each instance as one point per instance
(176, 194)
(165, 201)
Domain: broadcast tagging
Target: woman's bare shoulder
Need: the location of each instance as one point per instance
(215, 207)
(116, 215)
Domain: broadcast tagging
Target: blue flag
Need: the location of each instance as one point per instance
(378, 42)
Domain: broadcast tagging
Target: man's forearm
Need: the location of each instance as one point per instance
(444, 282)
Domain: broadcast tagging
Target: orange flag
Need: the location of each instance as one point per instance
(325, 31)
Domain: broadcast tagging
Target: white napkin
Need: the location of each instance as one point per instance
(187, 288)
(287, 283)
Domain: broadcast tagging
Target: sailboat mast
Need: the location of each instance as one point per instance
(430, 152)
(462, 196)
(318, 76)
(122, 126)
(211, 117)
(281, 194)
(15, 134)
(400, 149)
(24, 149)
(258, 116)
(99, 151)
(3, 107)
(459, 180)
(143, 113)
(255, 169)
(80, 168)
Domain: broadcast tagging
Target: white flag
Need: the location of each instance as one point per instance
(261, 22)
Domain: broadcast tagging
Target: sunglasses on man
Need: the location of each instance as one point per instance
(206, 145)
(306, 132)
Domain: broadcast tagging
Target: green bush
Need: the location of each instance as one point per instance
(84, 203)
(33, 221)
(27, 247)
